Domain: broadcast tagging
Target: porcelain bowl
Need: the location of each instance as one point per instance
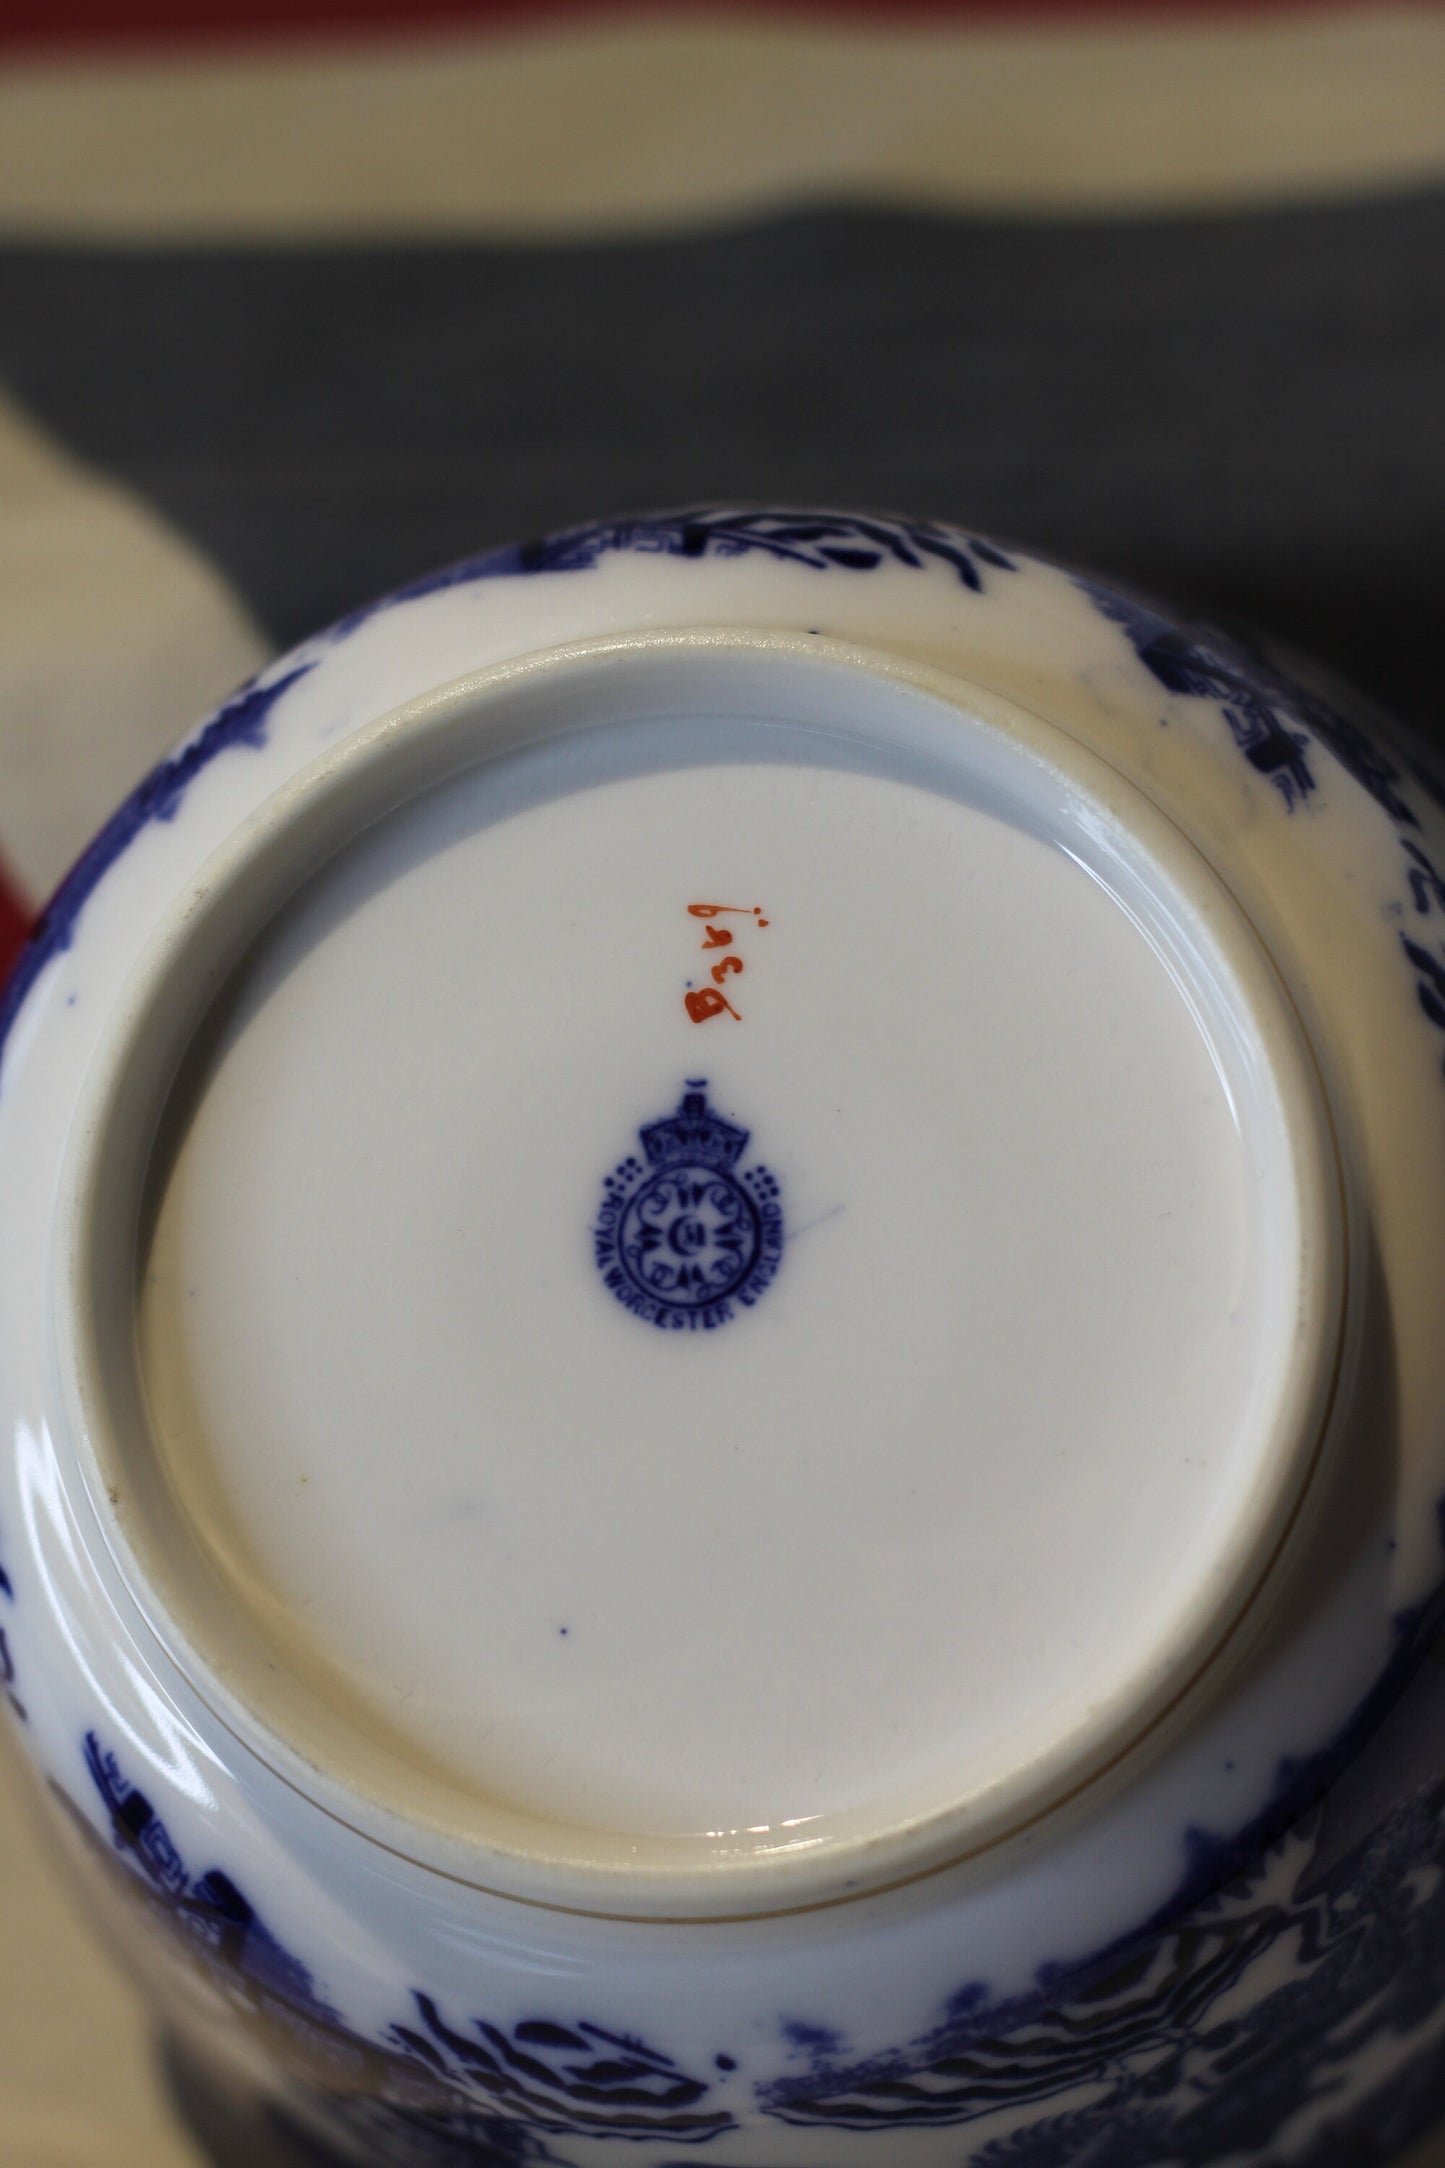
(719, 1344)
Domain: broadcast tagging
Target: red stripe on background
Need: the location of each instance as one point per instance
(111, 22)
(14, 922)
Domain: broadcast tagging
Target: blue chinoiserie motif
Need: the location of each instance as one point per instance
(243, 721)
(683, 1236)
(216, 1920)
(1271, 717)
(818, 540)
(431, 2091)
(1292, 2010)
(1277, 723)
(1287, 2008)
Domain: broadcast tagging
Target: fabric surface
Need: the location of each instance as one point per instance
(287, 319)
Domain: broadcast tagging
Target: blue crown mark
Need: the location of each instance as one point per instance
(682, 1239)
(694, 1132)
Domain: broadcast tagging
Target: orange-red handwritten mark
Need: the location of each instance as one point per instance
(737, 910)
(706, 1002)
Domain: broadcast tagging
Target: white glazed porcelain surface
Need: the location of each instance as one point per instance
(457, 1446)
(1090, 1048)
(384, 1423)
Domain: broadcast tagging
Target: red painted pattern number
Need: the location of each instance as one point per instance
(704, 1002)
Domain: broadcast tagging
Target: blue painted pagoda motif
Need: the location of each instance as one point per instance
(210, 1911)
(1295, 1987)
(1272, 717)
(428, 2092)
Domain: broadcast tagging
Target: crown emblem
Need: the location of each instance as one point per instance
(694, 1133)
(685, 1238)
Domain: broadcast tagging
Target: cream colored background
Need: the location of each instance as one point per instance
(631, 126)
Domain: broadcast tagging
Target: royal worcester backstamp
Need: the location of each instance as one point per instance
(728, 1431)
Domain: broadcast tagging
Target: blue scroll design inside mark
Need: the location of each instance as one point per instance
(1277, 723)
(684, 1237)
(820, 541)
(242, 721)
(429, 2089)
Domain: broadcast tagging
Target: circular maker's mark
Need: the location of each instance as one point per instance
(683, 1236)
